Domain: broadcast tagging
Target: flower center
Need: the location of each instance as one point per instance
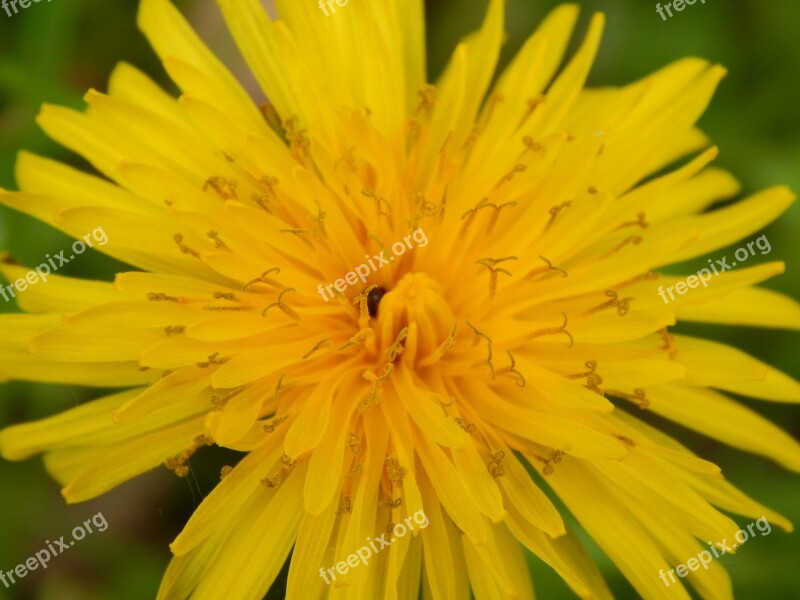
(416, 305)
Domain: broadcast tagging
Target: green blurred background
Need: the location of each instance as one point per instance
(54, 52)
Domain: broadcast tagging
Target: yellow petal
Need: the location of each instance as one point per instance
(227, 497)
(121, 462)
(712, 414)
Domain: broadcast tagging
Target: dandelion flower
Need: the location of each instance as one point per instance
(510, 352)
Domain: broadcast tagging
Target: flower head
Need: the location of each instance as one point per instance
(400, 299)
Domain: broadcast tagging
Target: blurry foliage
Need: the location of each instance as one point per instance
(54, 52)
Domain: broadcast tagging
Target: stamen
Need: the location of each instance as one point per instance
(298, 140)
(177, 464)
(445, 405)
(593, 383)
(220, 402)
(593, 380)
(372, 399)
(590, 364)
(278, 388)
(669, 343)
(489, 264)
(546, 269)
(270, 427)
(317, 347)
(394, 471)
(346, 507)
(414, 129)
(225, 188)
(184, 248)
(472, 137)
(174, 329)
(354, 443)
(639, 396)
(519, 168)
(451, 339)
(380, 202)
(263, 200)
(554, 212)
(469, 216)
(288, 311)
(153, 297)
(273, 119)
(649, 276)
(495, 465)
(361, 336)
(395, 348)
(555, 458)
(427, 99)
(277, 480)
(377, 241)
(362, 300)
(554, 331)
(633, 239)
(622, 306)
(319, 220)
(531, 145)
(213, 360)
(478, 335)
(492, 103)
(349, 159)
(225, 471)
(301, 233)
(520, 377)
(639, 222)
(269, 183)
(214, 235)
(429, 209)
(468, 427)
(446, 142)
(396, 503)
(443, 348)
(532, 104)
(357, 469)
(281, 474)
(263, 279)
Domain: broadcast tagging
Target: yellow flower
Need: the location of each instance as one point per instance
(510, 317)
